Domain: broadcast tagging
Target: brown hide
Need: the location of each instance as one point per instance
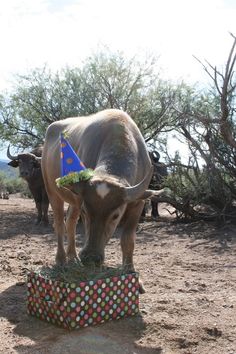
(111, 144)
(159, 174)
(30, 171)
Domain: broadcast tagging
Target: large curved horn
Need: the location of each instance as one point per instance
(152, 193)
(135, 192)
(38, 158)
(11, 157)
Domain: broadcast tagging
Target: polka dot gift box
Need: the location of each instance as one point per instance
(72, 305)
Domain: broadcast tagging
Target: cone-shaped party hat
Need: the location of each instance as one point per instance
(72, 169)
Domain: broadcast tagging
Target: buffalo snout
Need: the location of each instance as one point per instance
(24, 174)
(91, 258)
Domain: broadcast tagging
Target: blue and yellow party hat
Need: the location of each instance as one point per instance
(72, 168)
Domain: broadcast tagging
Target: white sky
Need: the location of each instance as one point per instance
(64, 32)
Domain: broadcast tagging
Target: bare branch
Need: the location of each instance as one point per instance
(225, 92)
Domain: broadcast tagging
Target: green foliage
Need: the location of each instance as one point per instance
(13, 185)
(106, 80)
(208, 178)
(201, 187)
(203, 119)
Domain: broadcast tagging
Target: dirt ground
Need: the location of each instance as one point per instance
(189, 272)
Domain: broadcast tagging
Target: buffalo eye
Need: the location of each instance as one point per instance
(35, 163)
(115, 216)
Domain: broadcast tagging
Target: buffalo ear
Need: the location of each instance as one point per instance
(77, 188)
(13, 163)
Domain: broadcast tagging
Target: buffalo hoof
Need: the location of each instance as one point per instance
(142, 289)
(44, 223)
(72, 258)
(90, 259)
(128, 268)
(61, 259)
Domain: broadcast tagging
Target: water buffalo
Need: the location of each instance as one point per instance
(30, 171)
(159, 174)
(4, 195)
(110, 143)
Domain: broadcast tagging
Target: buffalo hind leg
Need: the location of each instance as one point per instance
(155, 213)
(45, 205)
(39, 211)
(71, 222)
(128, 236)
(45, 214)
(143, 214)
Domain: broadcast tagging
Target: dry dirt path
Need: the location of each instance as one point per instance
(189, 272)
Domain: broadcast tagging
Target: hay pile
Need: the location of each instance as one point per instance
(76, 272)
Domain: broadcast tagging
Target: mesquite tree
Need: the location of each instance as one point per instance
(106, 80)
(206, 122)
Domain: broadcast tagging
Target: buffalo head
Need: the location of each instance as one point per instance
(103, 200)
(27, 163)
(154, 156)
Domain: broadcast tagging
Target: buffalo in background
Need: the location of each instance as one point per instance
(4, 195)
(159, 174)
(30, 170)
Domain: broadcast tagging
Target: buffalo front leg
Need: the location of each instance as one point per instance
(71, 222)
(128, 235)
(59, 227)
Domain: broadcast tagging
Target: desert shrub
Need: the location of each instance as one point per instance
(14, 185)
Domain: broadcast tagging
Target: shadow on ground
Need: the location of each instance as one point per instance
(118, 337)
